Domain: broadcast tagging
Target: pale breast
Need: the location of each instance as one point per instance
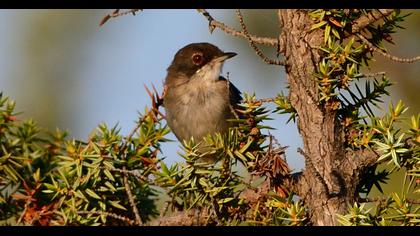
(198, 110)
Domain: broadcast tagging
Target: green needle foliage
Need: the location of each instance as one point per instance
(60, 181)
(56, 181)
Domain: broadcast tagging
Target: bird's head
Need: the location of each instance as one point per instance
(199, 60)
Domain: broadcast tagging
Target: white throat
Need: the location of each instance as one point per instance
(209, 72)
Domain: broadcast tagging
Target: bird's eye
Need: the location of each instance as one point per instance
(197, 59)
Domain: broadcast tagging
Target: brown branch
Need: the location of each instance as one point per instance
(117, 13)
(131, 199)
(130, 172)
(385, 54)
(125, 174)
(124, 168)
(379, 199)
(252, 44)
(363, 157)
(130, 136)
(266, 100)
(213, 24)
(368, 19)
(370, 75)
(112, 215)
(125, 171)
(359, 159)
(164, 210)
(28, 201)
(156, 102)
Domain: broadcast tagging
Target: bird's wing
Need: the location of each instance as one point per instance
(234, 93)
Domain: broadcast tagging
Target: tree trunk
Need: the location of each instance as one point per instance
(331, 176)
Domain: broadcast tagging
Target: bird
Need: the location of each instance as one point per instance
(198, 101)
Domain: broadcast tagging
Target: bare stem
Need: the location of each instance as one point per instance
(372, 75)
(24, 211)
(117, 13)
(385, 54)
(229, 30)
(130, 172)
(379, 199)
(366, 20)
(112, 215)
(252, 44)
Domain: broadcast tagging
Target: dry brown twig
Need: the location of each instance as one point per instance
(28, 202)
(112, 215)
(117, 13)
(125, 175)
(130, 172)
(266, 100)
(372, 75)
(366, 20)
(252, 43)
(379, 199)
(385, 54)
(213, 24)
(131, 199)
(156, 100)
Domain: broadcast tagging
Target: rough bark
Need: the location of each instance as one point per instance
(331, 176)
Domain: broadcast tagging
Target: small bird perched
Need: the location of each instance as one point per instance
(198, 101)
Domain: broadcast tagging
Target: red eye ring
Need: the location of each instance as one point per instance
(197, 59)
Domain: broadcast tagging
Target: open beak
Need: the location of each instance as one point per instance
(225, 56)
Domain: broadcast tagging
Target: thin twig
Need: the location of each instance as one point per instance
(152, 112)
(229, 30)
(370, 75)
(131, 199)
(368, 19)
(157, 101)
(112, 215)
(252, 44)
(125, 177)
(24, 211)
(117, 13)
(385, 54)
(125, 171)
(130, 172)
(266, 100)
(379, 199)
(164, 210)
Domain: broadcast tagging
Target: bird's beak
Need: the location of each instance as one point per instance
(225, 56)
